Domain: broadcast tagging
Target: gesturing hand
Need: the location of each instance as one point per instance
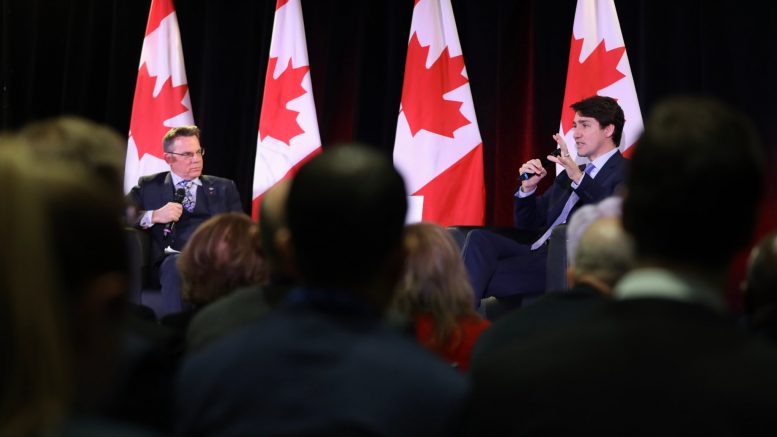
(565, 160)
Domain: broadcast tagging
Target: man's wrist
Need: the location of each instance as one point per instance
(579, 178)
(147, 220)
(522, 194)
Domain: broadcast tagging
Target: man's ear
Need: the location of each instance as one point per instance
(168, 157)
(609, 130)
(570, 276)
(285, 250)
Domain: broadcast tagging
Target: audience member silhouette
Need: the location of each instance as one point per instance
(435, 295)
(94, 148)
(65, 297)
(248, 304)
(224, 253)
(94, 153)
(97, 150)
(36, 385)
(599, 250)
(663, 358)
(602, 255)
(323, 362)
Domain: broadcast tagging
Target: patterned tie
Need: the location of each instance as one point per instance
(188, 199)
(562, 218)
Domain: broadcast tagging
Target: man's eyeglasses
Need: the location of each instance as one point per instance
(189, 155)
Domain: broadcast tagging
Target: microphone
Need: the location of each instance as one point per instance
(179, 196)
(526, 175)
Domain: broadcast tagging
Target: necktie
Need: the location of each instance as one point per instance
(562, 218)
(188, 199)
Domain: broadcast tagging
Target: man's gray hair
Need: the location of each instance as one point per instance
(584, 217)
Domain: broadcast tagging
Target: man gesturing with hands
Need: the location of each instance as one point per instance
(499, 266)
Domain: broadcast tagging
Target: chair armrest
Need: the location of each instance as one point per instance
(556, 272)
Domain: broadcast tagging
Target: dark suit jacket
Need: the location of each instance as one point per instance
(318, 367)
(215, 195)
(549, 312)
(229, 313)
(535, 212)
(635, 367)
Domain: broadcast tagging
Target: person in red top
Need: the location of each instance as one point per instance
(437, 296)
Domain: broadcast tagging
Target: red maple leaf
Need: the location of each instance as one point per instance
(159, 10)
(149, 113)
(276, 119)
(585, 79)
(422, 100)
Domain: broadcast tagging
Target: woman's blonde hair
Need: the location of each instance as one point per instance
(435, 280)
(224, 253)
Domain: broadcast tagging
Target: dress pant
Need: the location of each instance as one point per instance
(170, 279)
(499, 266)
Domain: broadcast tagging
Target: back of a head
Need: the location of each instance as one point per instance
(223, 254)
(604, 252)
(346, 211)
(96, 149)
(435, 279)
(695, 154)
(585, 216)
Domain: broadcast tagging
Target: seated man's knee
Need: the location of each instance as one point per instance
(169, 265)
(476, 236)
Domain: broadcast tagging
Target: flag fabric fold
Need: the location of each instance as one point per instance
(438, 148)
(598, 64)
(288, 128)
(161, 94)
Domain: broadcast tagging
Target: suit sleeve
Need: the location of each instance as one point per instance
(603, 186)
(531, 212)
(135, 207)
(233, 198)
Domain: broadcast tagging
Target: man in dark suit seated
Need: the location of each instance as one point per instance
(664, 357)
(499, 266)
(172, 204)
(324, 362)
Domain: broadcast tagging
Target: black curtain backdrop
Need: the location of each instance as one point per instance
(81, 57)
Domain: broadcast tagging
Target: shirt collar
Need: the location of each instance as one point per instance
(177, 179)
(330, 299)
(600, 161)
(664, 284)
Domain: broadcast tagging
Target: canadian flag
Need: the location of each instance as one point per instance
(161, 94)
(438, 149)
(288, 128)
(598, 64)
